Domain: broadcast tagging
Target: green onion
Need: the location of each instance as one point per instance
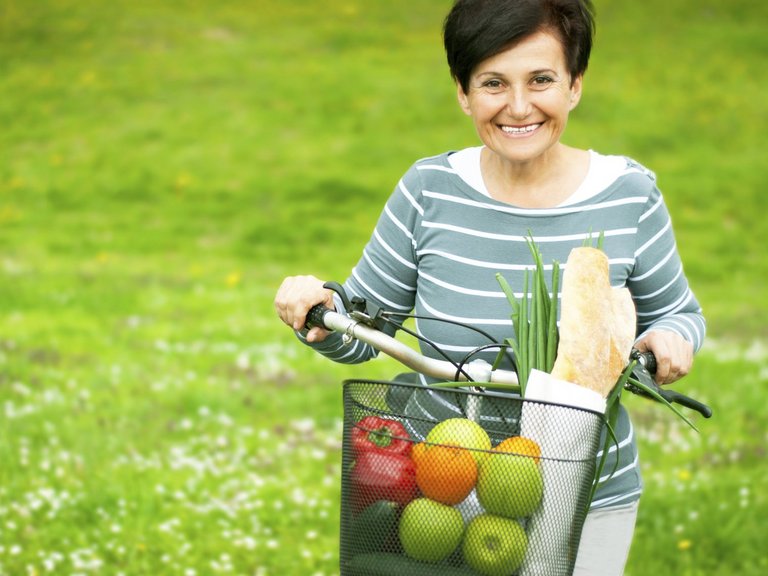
(522, 331)
(659, 397)
(611, 418)
(534, 318)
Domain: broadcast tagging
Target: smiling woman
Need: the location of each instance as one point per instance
(150, 149)
(456, 219)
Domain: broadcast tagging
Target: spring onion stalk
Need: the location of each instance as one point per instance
(589, 240)
(534, 318)
(522, 330)
(541, 335)
(612, 402)
(511, 342)
(612, 414)
(661, 399)
(552, 333)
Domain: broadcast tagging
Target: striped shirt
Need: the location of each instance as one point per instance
(439, 243)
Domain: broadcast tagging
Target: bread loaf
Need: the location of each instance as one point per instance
(597, 324)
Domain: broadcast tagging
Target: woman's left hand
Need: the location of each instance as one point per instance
(674, 354)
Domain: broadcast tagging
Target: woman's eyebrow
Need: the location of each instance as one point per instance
(543, 71)
(531, 73)
(489, 73)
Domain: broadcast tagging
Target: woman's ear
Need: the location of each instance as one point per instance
(576, 90)
(463, 100)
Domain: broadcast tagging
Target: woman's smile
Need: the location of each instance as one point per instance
(520, 131)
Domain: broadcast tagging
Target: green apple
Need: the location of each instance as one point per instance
(510, 485)
(494, 546)
(430, 531)
(462, 432)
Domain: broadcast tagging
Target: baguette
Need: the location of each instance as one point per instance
(597, 324)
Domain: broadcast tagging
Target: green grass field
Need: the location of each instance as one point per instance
(163, 165)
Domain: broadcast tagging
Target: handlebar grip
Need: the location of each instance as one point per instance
(316, 316)
(648, 362)
(687, 401)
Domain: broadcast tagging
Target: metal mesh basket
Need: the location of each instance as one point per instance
(513, 507)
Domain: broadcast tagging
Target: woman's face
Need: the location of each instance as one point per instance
(520, 99)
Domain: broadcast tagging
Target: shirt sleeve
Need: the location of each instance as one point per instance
(386, 274)
(663, 298)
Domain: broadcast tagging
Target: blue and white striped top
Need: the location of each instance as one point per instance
(439, 243)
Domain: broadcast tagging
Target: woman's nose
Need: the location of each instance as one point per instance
(518, 104)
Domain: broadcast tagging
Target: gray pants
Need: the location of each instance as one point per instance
(605, 541)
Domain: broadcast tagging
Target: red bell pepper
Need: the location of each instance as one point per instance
(382, 476)
(377, 434)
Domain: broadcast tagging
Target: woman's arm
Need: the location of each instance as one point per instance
(670, 319)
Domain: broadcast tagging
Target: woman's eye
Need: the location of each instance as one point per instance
(542, 81)
(493, 85)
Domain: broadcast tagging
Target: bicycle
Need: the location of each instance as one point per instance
(530, 505)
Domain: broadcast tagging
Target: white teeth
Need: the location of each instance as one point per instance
(523, 130)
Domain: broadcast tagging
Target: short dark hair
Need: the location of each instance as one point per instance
(475, 30)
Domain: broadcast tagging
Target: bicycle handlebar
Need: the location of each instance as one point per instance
(354, 327)
(647, 366)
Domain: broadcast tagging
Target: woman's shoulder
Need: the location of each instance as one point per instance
(623, 165)
(620, 172)
(437, 162)
(430, 171)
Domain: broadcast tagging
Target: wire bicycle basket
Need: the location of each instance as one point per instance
(459, 482)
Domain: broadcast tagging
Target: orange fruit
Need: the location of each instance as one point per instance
(417, 451)
(444, 473)
(520, 445)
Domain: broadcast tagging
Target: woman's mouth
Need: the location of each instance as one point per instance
(515, 130)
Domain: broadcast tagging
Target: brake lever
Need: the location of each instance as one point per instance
(645, 366)
(358, 308)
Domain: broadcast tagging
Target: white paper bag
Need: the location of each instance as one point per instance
(565, 433)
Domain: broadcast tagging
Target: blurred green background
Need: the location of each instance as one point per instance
(163, 165)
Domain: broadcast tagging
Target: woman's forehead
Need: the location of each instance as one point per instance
(541, 51)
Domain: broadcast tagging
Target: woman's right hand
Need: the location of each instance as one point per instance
(296, 296)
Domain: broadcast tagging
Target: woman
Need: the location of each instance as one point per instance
(456, 219)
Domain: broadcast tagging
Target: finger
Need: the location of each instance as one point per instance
(299, 318)
(288, 302)
(316, 334)
(281, 300)
(662, 370)
(660, 350)
(682, 362)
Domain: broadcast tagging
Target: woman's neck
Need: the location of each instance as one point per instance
(544, 182)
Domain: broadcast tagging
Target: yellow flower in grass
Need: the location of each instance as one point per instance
(9, 214)
(88, 78)
(183, 181)
(233, 279)
(684, 545)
